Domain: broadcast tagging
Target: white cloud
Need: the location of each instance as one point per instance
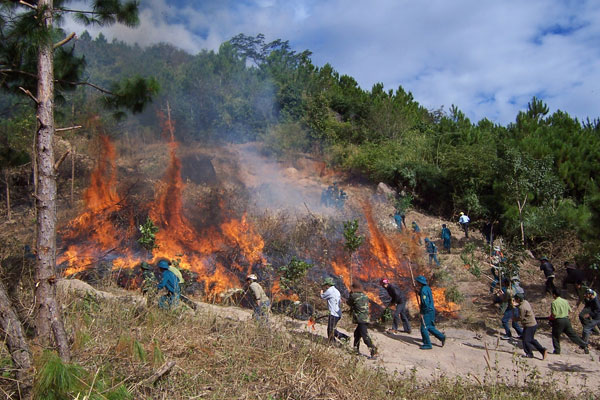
(487, 58)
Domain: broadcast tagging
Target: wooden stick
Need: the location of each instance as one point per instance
(159, 373)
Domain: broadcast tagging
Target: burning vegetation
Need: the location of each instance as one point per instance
(220, 233)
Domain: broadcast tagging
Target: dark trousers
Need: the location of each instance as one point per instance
(465, 227)
(447, 244)
(560, 326)
(550, 284)
(588, 328)
(511, 313)
(529, 341)
(401, 314)
(361, 332)
(333, 333)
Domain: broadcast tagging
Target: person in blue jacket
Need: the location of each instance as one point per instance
(399, 218)
(417, 231)
(432, 252)
(428, 315)
(446, 237)
(170, 282)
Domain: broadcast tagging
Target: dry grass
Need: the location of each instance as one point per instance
(221, 358)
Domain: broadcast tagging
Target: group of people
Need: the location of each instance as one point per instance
(359, 307)
(430, 247)
(334, 196)
(514, 307)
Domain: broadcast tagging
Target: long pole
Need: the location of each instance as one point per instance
(412, 276)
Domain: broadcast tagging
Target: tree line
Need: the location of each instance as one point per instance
(534, 178)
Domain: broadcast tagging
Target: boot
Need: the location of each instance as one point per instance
(373, 352)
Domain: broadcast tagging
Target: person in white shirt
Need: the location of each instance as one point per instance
(334, 299)
(464, 223)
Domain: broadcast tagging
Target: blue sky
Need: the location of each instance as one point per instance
(489, 58)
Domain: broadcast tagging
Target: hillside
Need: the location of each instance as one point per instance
(278, 205)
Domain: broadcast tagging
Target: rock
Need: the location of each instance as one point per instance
(384, 189)
(290, 172)
(199, 169)
(530, 254)
(82, 289)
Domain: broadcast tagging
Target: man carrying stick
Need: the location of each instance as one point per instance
(428, 315)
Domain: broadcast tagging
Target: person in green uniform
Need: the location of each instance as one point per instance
(559, 317)
(149, 282)
(359, 305)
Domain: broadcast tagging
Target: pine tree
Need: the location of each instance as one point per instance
(34, 58)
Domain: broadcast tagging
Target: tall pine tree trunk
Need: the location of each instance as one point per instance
(48, 320)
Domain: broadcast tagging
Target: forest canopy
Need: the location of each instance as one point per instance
(538, 172)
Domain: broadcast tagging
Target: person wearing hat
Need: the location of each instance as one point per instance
(428, 315)
(330, 293)
(464, 221)
(559, 318)
(397, 297)
(548, 270)
(581, 288)
(529, 322)
(170, 282)
(593, 304)
(149, 281)
(431, 249)
(359, 305)
(446, 237)
(261, 303)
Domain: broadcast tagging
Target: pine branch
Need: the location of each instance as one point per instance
(27, 4)
(70, 128)
(60, 160)
(65, 40)
(28, 93)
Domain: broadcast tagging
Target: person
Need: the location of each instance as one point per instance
(400, 220)
(509, 312)
(149, 281)
(573, 276)
(417, 231)
(432, 252)
(446, 237)
(581, 289)
(592, 303)
(171, 284)
(330, 293)
(359, 305)
(427, 311)
(397, 297)
(559, 318)
(548, 270)
(261, 303)
(178, 274)
(529, 322)
(464, 220)
(487, 232)
(497, 258)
